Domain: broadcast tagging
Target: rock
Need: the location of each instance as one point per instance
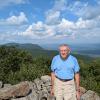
(38, 83)
(82, 90)
(6, 85)
(1, 84)
(19, 90)
(51, 97)
(23, 98)
(90, 95)
(33, 96)
(39, 89)
(43, 95)
(32, 85)
(46, 78)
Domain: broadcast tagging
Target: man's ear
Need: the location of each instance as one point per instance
(69, 51)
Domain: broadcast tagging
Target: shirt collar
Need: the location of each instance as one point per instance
(65, 58)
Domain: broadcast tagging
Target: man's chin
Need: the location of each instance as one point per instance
(64, 57)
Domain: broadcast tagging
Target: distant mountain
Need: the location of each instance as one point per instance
(34, 49)
(73, 47)
(25, 46)
(92, 50)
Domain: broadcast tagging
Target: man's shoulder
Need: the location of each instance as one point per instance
(73, 57)
(56, 57)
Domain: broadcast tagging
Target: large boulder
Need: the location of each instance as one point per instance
(19, 90)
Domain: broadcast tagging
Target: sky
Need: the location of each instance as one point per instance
(49, 21)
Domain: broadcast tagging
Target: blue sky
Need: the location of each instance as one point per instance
(50, 21)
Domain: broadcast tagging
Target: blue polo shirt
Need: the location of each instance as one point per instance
(65, 69)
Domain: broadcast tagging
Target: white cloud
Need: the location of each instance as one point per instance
(85, 9)
(86, 26)
(4, 3)
(60, 5)
(38, 30)
(64, 28)
(89, 12)
(15, 20)
(52, 17)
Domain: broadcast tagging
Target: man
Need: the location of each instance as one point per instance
(65, 70)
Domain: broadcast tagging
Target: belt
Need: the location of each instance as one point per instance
(64, 80)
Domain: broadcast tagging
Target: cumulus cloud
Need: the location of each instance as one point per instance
(53, 15)
(15, 20)
(89, 12)
(38, 30)
(85, 10)
(64, 28)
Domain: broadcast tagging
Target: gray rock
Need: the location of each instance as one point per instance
(46, 78)
(23, 98)
(19, 90)
(6, 85)
(43, 95)
(51, 97)
(40, 90)
(32, 85)
(38, 83)
(90, 95)
(82, 90)
(33, 95)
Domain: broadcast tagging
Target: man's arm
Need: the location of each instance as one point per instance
(52, 79)
(52, 82)
(77, 81)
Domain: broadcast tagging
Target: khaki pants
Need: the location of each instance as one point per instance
(64, 90)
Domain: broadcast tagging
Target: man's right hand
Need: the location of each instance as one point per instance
(52, 91)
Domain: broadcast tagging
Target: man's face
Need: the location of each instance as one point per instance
(64, 51)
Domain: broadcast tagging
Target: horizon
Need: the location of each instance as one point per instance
(48, 43)
(50, 21)
(91, 50)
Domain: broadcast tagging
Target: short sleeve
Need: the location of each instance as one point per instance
(53, 67)
(76, 66)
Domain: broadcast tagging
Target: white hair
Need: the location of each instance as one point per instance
(65, 45)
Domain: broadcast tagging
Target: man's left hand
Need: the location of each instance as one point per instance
(78, 95)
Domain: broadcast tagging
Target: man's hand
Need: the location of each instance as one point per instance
(78, 95)
(52, 83)
(77, 81)
(52, 91)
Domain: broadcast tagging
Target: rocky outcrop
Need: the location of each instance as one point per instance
(39, 89)
(19, 90)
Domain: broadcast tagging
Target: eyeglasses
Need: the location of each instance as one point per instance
(64, 50)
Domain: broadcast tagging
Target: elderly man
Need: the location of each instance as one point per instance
(65, 70)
